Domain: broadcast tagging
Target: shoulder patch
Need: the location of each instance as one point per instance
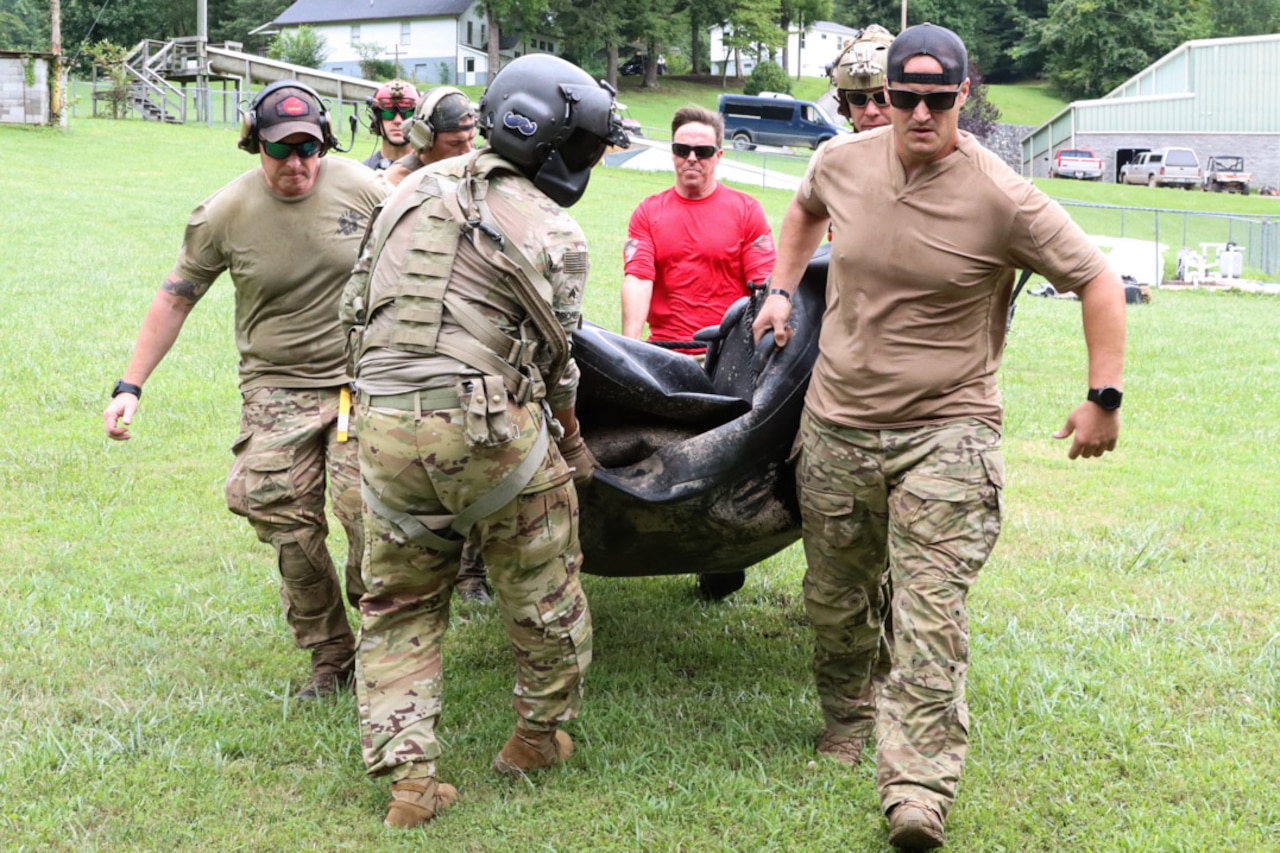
(575, 262)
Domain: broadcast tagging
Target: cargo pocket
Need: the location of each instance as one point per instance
(566, 618)
(934, 508)
(268, 476)
(833, 517)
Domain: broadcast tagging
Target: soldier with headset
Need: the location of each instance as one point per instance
(458, 316)
(389, 110)
(443, 126)
(288, 231)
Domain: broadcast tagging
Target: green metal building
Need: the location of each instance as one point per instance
(1214, 96)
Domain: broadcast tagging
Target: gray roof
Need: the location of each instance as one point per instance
(329, 11)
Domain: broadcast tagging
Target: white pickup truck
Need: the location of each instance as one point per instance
(1076, 163)
(1164, 167)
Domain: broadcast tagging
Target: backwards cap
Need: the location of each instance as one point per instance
(288, 111)
(929, 40)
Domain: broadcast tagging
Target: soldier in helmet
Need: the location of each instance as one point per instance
(858, 74)
(443, 125)
(459, 312)
(390, 106)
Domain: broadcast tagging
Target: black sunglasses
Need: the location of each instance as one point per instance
(935, 102)
(703, 152)
(388, 113)
(281, 150)
(859, 99)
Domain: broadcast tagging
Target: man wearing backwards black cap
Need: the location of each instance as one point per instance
(900, 441)
(443, 126)
(288, 230)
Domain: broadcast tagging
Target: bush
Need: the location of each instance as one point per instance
(303, 46)
(767, 77)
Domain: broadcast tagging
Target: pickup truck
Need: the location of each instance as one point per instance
(1164, 167)
(1225, 172)
(1076, 163)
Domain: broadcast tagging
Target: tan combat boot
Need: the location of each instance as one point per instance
(531, 750)
(418, 799)
(843, 748)
(915, 826)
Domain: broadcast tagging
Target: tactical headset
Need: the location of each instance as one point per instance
(418, 130)
(249, 140)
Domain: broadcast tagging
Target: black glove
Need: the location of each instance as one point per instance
(578, 456)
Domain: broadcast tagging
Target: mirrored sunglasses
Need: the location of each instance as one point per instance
(388, 113)
(935, 102)
(702, 152)
(281, 150)
(859, 99)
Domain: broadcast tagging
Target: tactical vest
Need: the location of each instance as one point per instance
(452, 208)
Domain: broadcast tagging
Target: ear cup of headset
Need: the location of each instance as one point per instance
(417, 129)
(249, 139)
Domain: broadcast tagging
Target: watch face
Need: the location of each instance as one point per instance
(1108, 397)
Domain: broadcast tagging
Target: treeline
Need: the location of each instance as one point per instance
(1084, 47)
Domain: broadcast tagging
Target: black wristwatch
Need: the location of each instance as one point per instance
(1107, 397)
(122, 387)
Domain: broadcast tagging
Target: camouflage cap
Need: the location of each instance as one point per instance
(861, 65)
(287, 111)
(454, 112)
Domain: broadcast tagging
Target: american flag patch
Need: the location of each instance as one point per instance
(575, 262)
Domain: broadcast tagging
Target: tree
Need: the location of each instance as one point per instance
(654, 24)
(767, 77)
(803, 13)
(112, 59)
(751, 26)
(232, 20)
(592, 25)
(1092, 46)
(303, 46)
(978, 115)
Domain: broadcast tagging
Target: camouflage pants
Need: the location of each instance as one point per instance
(286, 451)
(421, 465)
(923, 503)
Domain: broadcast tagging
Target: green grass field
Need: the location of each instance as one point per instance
(1124, 686)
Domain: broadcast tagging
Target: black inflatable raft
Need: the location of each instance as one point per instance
(694, 476)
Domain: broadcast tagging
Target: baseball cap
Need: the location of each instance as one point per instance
(454, 112)
(930, 40)
(287, 111)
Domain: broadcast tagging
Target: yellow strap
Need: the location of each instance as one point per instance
(344, 412)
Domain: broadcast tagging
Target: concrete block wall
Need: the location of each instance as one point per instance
(20, 103)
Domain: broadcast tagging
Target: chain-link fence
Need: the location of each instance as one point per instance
(1257, 238)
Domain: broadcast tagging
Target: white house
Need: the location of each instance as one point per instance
(808, 53)
(434, 41)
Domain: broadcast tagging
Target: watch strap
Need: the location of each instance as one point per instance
(122, 387)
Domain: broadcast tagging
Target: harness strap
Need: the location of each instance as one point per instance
(423, 529)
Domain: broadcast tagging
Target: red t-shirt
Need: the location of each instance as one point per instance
(699, 254)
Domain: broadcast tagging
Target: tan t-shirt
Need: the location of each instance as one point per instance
(921, 276)
(549, 238)
(289, 259)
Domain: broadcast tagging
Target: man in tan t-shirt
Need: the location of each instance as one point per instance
(899, 446)
(288, 231)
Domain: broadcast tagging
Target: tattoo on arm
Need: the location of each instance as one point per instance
(184, 289)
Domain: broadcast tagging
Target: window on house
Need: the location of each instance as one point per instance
(471, 64)
(404, 32)
(551, 46)
(484, 40)
(469, 39)
(420, 72)
(355, 33)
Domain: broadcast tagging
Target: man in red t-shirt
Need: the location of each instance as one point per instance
(691, 250)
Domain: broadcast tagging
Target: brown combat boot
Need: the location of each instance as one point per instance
(326, 682)
(915, 826)
(843, 748)
(530, 750)
(416, 800)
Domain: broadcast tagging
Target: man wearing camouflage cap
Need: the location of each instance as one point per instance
(899, 461)
(288, 231)
(858, 74)
(389, 108)
(443, 126)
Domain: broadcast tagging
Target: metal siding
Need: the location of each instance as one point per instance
(1171, 77)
